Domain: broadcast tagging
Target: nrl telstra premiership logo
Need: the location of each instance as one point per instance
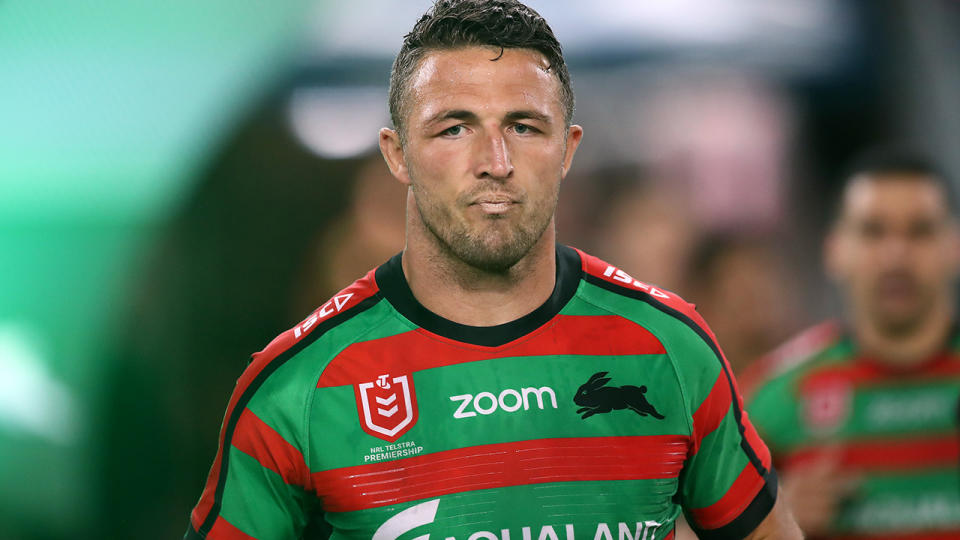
(387, 406)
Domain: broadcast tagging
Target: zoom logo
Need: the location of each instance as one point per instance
(508, 400)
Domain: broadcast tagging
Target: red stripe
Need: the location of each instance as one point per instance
(670, 535)
(946, 364)
(711, 412)
(917, 535)
(603, 335)
(851, 374)
(361, 289)
(501, 465)
(733, 502)
(887, 454)
(202, 510)
(255, 438)
(224, 530)
(866, 372)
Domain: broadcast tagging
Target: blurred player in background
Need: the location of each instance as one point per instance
(860, 415)
(487, 382)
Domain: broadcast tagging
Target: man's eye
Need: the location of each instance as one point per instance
(522, 129)
(453, 130)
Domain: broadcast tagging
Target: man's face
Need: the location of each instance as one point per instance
(894, 251)
(485, 149)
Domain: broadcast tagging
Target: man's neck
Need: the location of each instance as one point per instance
(910, 349)
(466, 295)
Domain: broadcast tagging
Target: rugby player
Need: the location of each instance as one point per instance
(486, 382)
(860, 414)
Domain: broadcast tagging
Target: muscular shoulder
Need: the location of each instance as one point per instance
(343, 306)
(290, 365)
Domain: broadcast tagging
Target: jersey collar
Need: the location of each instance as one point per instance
(394, 287)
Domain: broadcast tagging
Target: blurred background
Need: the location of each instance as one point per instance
(181, 181)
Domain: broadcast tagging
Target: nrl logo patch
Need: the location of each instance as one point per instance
(387, 406)
(827, 406)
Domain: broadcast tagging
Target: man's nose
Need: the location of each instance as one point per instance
(895, 250)
(494, 158)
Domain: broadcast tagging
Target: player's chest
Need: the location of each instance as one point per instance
(402, 431)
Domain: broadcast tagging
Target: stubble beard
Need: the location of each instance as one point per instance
(495, 246)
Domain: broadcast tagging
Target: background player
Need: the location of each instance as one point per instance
(378, 415)
(860, 415)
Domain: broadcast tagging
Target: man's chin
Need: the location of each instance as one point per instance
(898, 322)
(493, 258)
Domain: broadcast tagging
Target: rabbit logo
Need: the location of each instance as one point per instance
(595, 398)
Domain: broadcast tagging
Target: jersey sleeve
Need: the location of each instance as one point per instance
(773, 410)
(727, 486)
(259, 486)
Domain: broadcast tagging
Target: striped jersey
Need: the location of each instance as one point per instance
(601, 415)
(897, 429)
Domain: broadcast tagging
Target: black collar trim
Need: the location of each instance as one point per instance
(393, 285)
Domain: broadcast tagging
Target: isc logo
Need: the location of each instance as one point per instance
(624, 277)
(509, 400)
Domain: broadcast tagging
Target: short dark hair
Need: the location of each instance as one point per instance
(879, 162)
(452, 24)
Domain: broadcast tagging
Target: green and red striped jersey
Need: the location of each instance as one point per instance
(601, 415)
(895, 428)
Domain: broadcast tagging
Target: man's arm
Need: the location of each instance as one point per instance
(778, 525)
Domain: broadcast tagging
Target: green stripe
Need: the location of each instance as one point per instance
(774, 412)
(717, 464)
(903, 502)
(578, 307)
(258, 502)
(925, 407)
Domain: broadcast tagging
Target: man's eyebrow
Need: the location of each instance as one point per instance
(455, 114)
(527, 115)
(462, 114)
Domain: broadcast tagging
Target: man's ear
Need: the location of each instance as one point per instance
(392, 151)
(574, 136)
(954, 243)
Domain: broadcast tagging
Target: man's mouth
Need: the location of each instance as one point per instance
(494, 204)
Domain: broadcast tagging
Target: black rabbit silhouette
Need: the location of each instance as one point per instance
(593, 398)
